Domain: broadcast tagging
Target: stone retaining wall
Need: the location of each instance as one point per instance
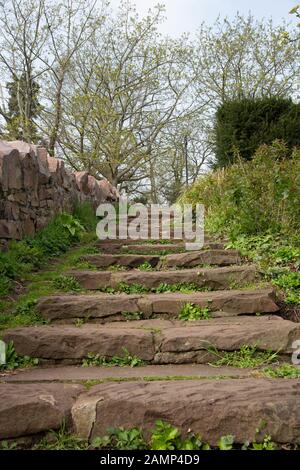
(34, 187)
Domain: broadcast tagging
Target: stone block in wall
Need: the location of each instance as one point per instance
(43, 173)
(108, 191)
(10, 168)
(28, 227)
(27, 213)
(30, 169)
(11, 210)
(82, 181)
(10, 230)
(19, 196)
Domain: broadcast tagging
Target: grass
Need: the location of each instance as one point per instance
(53, 280)
(247, 356)
(66, 283)
(135, 288)
(192, 312)
(288, 371)
(126, 360)
(278, 258)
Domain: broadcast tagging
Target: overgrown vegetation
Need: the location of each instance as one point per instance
(33, 253)
(164, 436)
(126, 360)
(256, 205)
(246, 356)
(192, 312)
(26, 274)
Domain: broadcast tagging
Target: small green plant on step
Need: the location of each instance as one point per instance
(131, 288)
(167, 437)
(66, 284)
(226, 442)
(131, 316)
(15, 361)
(146, 266)
(116, 267)
(288, 371)
(126, 360)
(192, 312)
(8, 445)
(62, 439)
(266, 444)
(247, 356)
(121, 439)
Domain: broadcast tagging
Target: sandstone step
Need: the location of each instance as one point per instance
(144, 247)
(196, 258)
(216, 278)
(28, 409)
(208, 408)
(170, 343)
(105, 307)
(182, 260)
(154, 248)
(130, 261)
(101, 373)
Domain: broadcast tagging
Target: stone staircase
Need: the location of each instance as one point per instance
(176, 382)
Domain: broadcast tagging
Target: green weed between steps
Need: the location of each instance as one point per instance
(66, 283)
(132, 316)
(135, 288)
(146, 266)
(192, 312)
(164, 436)
(247, 356)
(287, 371)
(126, 360)
(15, 361)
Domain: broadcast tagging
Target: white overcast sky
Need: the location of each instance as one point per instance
(187, 15)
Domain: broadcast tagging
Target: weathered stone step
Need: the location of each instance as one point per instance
(102, 373)
(144, 247)
(182, 260)
(214, 279)
(105, 307)
(209, 408)
(130, 261)
(28, 409)
(196, 258)
(170, 343)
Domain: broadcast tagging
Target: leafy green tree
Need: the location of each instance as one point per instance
(23, 109)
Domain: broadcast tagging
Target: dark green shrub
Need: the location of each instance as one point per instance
(243, 125)
(252, 197)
